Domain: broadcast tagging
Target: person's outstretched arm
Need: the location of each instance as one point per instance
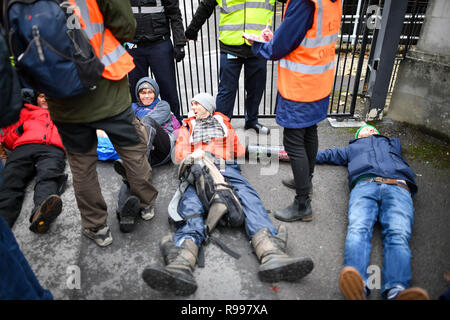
(204, 11)
(297, 21)
(337, 156)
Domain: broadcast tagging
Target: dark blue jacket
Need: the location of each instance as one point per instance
(377, 155)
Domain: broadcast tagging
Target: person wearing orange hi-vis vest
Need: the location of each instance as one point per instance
(106, 107)
(304, 46)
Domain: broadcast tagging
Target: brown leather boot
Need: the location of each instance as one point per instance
(276, 265)
(176, 277)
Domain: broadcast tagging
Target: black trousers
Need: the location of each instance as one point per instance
(301, 146)
(45, 162)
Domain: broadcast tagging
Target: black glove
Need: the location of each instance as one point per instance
(190, 34)
(19, 130)
(178, 53)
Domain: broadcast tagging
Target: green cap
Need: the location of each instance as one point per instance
(367, 125)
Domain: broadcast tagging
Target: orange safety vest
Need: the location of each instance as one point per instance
(307, 73)
(118, 62)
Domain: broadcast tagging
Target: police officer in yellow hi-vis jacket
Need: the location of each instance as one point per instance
(237, 17)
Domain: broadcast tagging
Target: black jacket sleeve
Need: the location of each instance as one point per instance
(204, 11)
(172, 11)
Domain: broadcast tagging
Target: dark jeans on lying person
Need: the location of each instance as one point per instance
(301, 146)
(256, 217)
(255, 70)
(45, 162)
(17, 279)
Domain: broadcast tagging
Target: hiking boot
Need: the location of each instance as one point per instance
(259, 128)
(352, 284)
(176, 277)
(296, 211)
(148, 213)
(46, 213)
(102, 236)
(400, 293)
(128, 213)
(275, 264)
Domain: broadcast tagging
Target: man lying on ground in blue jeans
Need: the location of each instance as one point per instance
(382, 185)
(213, 190)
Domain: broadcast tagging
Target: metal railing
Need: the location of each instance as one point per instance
(199, 71)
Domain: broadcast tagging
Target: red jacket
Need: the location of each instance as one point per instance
(37, 128)
(227, 147)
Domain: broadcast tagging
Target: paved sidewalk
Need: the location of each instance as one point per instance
(114, 272)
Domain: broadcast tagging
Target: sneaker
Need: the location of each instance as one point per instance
(259, 128)
(128, 213)
(102, 236)
(352, 284)
(46, 213)
(398, 293)
(148, 212)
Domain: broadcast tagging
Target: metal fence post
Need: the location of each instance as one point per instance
(384, 56)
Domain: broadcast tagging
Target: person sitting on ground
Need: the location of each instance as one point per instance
(36, 150)
(382, 185)
(162, 127)
(208, 138)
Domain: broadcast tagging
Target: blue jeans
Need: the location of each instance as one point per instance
(256, 217)
(254, 85)
(392, 206)
(17, 280)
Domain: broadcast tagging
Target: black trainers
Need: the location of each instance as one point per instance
(46, 213)
(259, 128)
(102, 237)
(128, 213)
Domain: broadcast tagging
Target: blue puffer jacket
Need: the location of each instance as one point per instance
(377, 155)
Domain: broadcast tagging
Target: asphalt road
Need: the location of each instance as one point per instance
(114, 272)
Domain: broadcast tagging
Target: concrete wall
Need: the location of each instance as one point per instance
(422, 91)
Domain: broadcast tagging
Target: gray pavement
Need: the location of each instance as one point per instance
(114, 272)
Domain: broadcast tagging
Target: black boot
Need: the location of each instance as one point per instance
(290, 183)
(45, 214)
(176, 277)
(298, 210)
(128, 213)
(276, 265)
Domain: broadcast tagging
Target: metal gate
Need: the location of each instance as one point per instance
(199, 70)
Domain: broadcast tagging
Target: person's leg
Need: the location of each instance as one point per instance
(19, 170)
(396, 218)
(362, 214)
(295, 146)
(255, 73)
(17, 279)
(230, 69)
(311, 147)
(268, 242)
(180, 251)
(50, 163)
(139, 55)
(130, 139)
(160, 57)
(159, 145)
(256, 217)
